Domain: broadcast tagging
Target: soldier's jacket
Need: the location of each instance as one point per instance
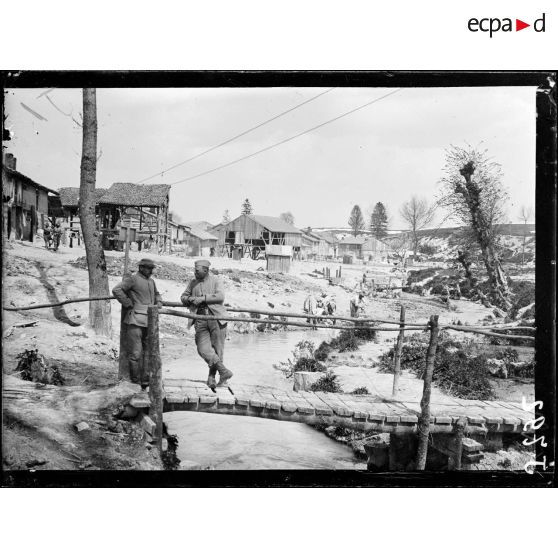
(136, 293)
(212, 287)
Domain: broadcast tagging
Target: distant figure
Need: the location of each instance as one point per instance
(329, 306)
(205, 295)
(135, 293)
(47, 235)
(310, 308)
(56, 236)
(357, 305)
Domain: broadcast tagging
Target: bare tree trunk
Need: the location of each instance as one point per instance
(424, 419)
(499, 293)
(99, 311)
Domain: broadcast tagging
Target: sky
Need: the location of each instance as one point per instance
(387, 151)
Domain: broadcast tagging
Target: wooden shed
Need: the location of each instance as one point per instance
(144, 207)
(253, 234)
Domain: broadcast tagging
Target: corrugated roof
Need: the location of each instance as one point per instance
(69, 197)
(127, 194)
(274, 224)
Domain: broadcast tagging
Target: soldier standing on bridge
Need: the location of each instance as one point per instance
(205, 295)
(136, 292)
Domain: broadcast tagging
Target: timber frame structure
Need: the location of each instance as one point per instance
(251, 235)
(143, 207)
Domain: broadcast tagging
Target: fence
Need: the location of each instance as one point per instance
(152, 357)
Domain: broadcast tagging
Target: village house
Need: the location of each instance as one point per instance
(25, 203)
(350, 246)
(318, 245)
(251, 235)
(374, 250)
(199, 242)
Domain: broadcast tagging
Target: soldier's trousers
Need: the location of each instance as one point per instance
(210, 340)
(136, 337)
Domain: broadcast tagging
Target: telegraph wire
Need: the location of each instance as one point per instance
(285, 140)
(160, 173)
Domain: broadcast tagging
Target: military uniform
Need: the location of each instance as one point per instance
(210, 335)
(136, 292)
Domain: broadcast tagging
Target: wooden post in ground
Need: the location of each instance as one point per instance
(454, 461)
(155, 369)
(127, 249)
(123, 364)
(424, 419)
(398, 350)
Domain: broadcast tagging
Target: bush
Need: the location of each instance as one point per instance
(345, 341)
(360, 391)
(454, 370)
(34, 368)
(428, 249)
(366, 334)
(413, 354)
(522, 369)
(328, 382)
(507, 355)
(462, 376)
(524, 294)
(307, 364)
(323, 351)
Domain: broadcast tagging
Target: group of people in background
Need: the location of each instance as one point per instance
(324, 305)
(55, 234)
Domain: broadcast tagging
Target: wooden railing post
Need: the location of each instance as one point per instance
(424, 419)
(155, 369)
(398, 351)
(123, 364)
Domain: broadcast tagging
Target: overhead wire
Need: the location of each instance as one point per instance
(286, 140)
(160, 173)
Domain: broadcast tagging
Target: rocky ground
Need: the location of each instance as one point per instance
(34, 275)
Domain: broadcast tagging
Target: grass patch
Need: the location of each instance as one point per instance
(328, 382)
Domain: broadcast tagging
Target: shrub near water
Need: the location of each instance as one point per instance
(455, 371)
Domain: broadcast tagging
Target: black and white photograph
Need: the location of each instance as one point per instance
(213, 276)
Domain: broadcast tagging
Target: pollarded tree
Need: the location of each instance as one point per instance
(472, 190)
(418, 214)
(288, 217)
(99, 310)
(356, 220)
(379, 221)
(247, 207)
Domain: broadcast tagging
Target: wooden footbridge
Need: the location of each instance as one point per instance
(451, 426)
(359, 412)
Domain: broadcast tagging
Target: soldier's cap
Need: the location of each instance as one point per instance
(202, 263)
(147, 263)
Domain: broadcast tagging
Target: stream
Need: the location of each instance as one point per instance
(233, 442)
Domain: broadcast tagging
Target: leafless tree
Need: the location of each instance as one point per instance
(288, 217)
(418, 214)
(99, 310)
(399, 246)
(525, 214)
(472, 190)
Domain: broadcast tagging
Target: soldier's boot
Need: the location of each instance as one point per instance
(224, 374)
(135, 372)
(211, 377)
